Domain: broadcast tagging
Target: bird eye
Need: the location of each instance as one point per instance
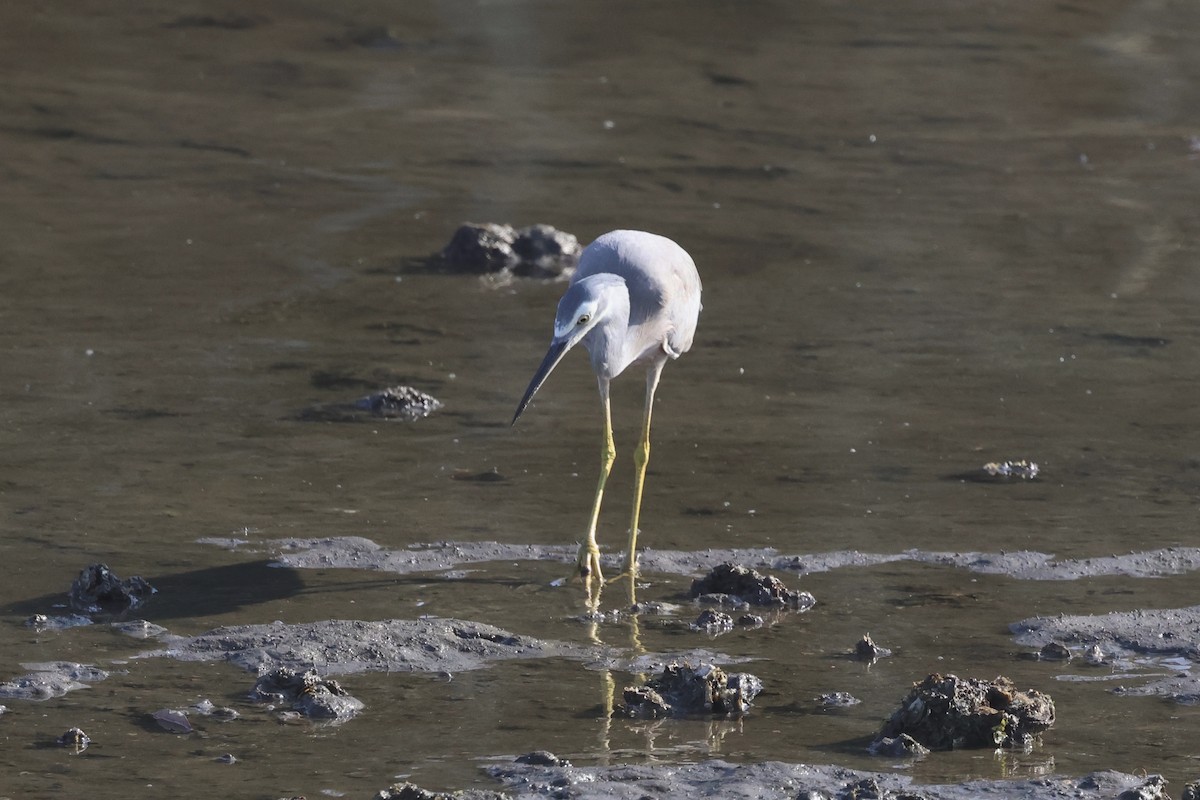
(582, 319)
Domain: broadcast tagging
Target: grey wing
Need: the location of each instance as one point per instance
(684, 309)
(664, 287)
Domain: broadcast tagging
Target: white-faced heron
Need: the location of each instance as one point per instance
(634, 298)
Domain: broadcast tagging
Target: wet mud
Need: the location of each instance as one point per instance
(50, 680)
(361, 553)
(1119, 641)
(342, 647)
(778, 781)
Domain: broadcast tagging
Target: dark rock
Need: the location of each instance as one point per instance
(544, 252)
(477, 247)
(867, 650)
(865, 789)
(75, 739)
(306, 692)
(543, 758)
(838, 700)
(948, 712)
(1054, 651)
(399, 402)
(539, 251)
(681, 690)
(751, 621)
(714, 622)
(1154, 788)
(1191, 791)
(98, 588)
(902, 746)
(751, 586)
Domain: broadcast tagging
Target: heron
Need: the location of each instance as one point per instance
(634, 299)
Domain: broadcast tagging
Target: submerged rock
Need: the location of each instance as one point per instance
(173, 720)
(538, 251)
(902, 746)
(44, 622)
(399, 402)
(98, 588)
(140, 629)
(75, 739)
(837, 700)
(713, 622)
(1054, 651)
(208, 708)
(682, 690)
(306, 692)
(749, 586)
(1025, 470)
(543, 758)
(948, 712)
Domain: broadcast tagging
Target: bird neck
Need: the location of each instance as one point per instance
(609, 343)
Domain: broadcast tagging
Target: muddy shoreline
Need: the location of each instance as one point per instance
(361, 553)
(1133, 647)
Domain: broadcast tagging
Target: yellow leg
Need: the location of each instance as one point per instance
(641, 456)
(589, 551)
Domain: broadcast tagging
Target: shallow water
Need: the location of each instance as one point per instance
(931, 236)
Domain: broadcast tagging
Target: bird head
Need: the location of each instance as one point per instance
(586, 304)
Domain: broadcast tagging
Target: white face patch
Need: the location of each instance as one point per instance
(567, 327)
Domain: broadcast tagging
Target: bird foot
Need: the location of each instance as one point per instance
(630, 573)
(632, 578)
(621, 576)
(587, 567)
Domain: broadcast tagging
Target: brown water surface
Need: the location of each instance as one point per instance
(931, 234)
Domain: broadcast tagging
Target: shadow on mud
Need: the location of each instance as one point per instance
(203, 592)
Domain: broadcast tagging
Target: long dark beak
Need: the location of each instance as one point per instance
(553, 356)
